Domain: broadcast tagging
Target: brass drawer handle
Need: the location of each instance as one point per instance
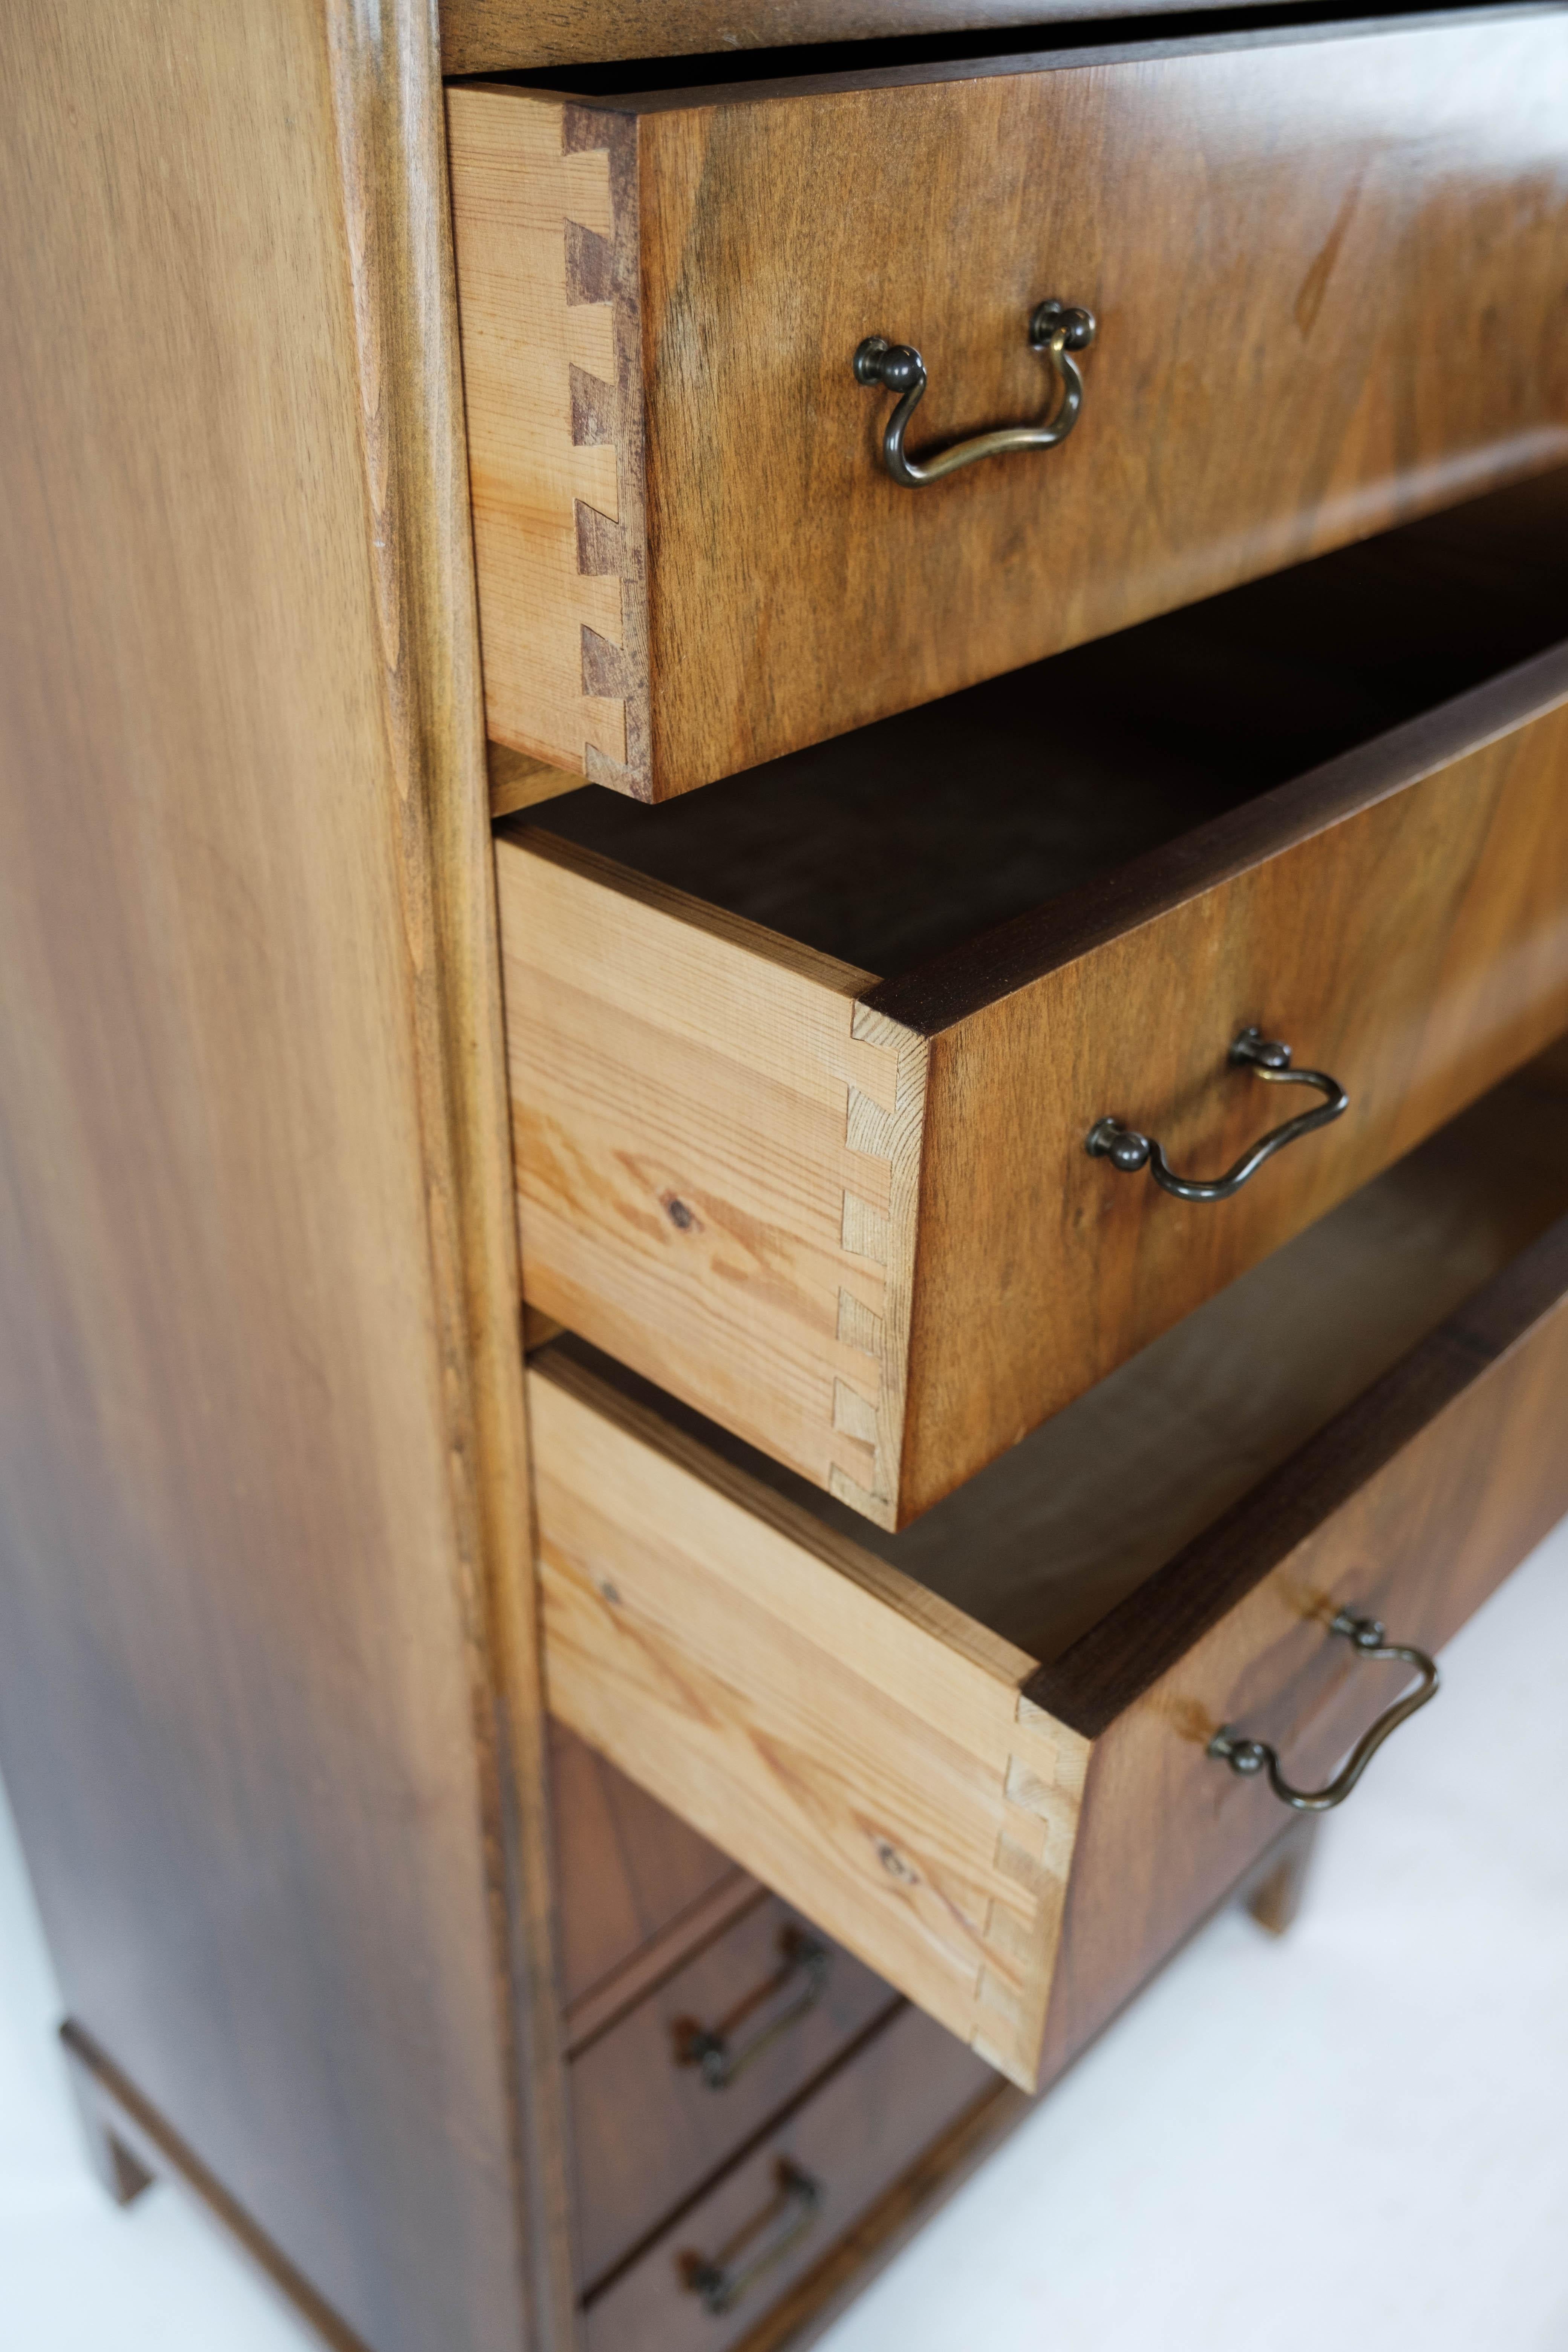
(712, 2049)
(897, 367)
(721, 2279)
(1125, 1149)
(1365, 1633)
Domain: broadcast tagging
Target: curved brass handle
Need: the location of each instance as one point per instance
(711, 2048)
(897, 367)
(721, 2279)
(1365, 1634)
(1125, 1149)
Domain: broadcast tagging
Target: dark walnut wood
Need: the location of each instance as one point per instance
(876, 2114)
(1314, 323)
(647, 2127)
(260, 1435)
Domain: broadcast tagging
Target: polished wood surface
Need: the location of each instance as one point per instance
(906, 2084)
(1316, 319)
(716, 1633)
(1414, 1505)
(855, 1222)
(260, 1427)
(648, 2129)
(1400, 918)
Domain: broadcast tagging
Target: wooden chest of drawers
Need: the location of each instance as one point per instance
(571, 1854)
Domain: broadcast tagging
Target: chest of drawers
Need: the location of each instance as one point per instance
(674, 1490)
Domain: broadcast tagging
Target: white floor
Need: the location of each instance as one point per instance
(1353, 2141)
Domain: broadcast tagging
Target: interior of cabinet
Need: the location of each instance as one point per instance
(1055, 1533)
(888, 846)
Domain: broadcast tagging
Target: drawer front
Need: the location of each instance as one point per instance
(923, 1791)
(771, 2219)
(856, 1224)
(1314, 319)
(665, 2095)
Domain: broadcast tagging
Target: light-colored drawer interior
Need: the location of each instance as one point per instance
(945, 1743)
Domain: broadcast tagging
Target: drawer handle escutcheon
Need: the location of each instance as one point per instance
(721, 2279)
(1365, 1634)
(710, 2048)
(1125, 1149)
(897, 367)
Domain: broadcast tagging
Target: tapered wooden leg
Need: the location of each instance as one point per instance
(1274, 1896)
(122, 2174)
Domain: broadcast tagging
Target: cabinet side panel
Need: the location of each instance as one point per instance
(240, 1643)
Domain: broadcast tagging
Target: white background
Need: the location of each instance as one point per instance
(1356, 2140)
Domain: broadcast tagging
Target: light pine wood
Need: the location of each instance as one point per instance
(717, 1157)
(1315, 321)
(549, 333)
(870, 1748)
(269, 1698)
(852, 1741)
(743, 1170)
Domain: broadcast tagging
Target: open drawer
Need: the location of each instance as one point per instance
(803, 1065)
(1315, 317)
(977, 1753)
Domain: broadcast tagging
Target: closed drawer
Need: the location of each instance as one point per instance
(664, 2095)
(711, 2275)
(977, 1753)
(635, 1888)
(800, 1124)
(1314, 319)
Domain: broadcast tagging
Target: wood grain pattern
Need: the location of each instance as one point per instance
(1405, 927)
(853, 1741)
(903, 2087)
(1416, 1504)
(717, 1156)
(1317, 319)
(260, 1426)
(544, 202)
(648, 2131)
(516, 782)
(802, 1700)
(885, 1324)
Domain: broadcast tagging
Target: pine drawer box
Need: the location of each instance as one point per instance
(979, 1753)
(852, 1217)
(1314, 319)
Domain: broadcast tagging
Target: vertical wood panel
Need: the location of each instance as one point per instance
(259, 1458)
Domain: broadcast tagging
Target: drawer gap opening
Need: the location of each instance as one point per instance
(906, 840)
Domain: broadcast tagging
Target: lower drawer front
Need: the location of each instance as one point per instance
(1015, 1826)
(708, 2278)
(664, 2096)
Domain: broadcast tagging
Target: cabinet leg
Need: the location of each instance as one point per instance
(1274, 1896)
(122, 2173)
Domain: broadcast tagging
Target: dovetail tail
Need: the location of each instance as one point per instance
(865, 1230)
(858, 1326)
(1016, 1862)
(854, 1414)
